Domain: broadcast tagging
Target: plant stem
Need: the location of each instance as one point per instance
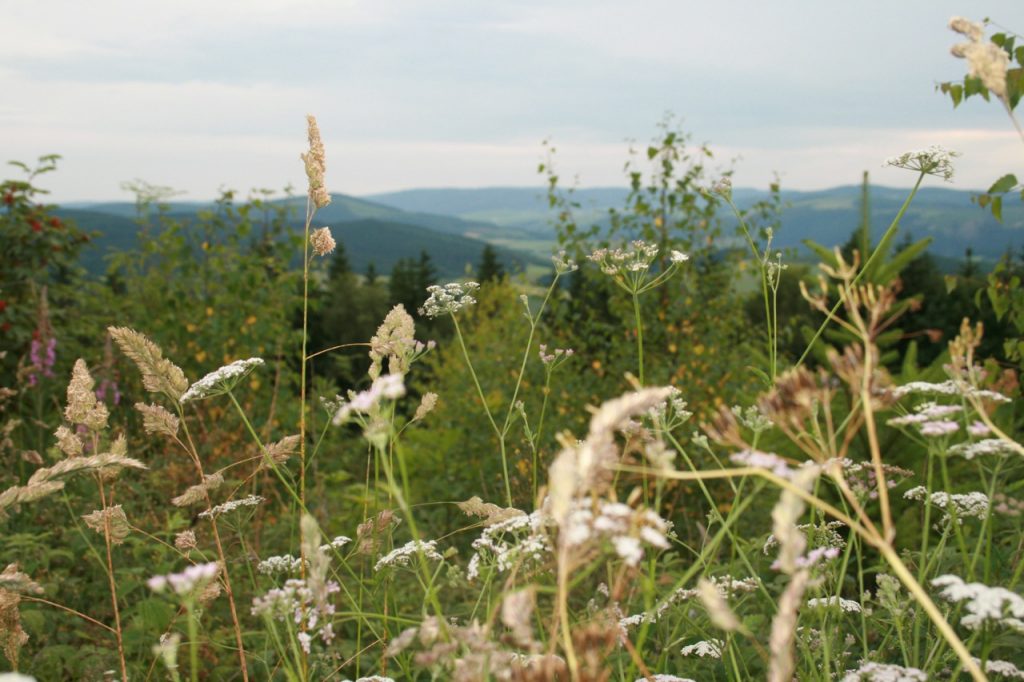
(113, 583)
(639, 337)
(864, 268)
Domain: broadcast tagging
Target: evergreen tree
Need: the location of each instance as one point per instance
(371, 274)
(490, 268)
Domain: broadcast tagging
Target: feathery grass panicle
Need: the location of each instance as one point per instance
(83, 408)
(157, 420)
(112, 518)
(316, 165)
(276, 454)
(68, 441)
(159, 375)
(781, 642)
(200, 491)
(49, 480)
(395, 341)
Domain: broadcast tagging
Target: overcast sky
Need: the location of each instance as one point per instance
(203, 94)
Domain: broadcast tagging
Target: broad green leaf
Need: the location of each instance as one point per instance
(997, 208)
(1003, 184)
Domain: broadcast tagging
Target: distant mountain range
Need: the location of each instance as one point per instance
(827, 216)
(453, 225)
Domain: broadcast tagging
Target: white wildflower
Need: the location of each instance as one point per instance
(387, 387)
(448, 299)
(989, 446)
(948, 387)
(1002, 669)
(763, 460)
(983, 603)
(711, 648)
(191, 579)
(884, 672)
(402, 556)
(934, 160)
(938, 428)
(222, 380)
(564, 264)
(232, 505)
(847, 605)
(973, 504)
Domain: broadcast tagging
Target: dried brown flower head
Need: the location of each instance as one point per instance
(322, 241)
(491, 513)
(185, 540)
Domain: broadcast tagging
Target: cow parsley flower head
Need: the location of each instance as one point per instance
(222, 380)
(934, 160)
(711, 648)
(448, 299)
(884, 672)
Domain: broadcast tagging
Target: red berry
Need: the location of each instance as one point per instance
(36, 226)
(6, 326)
(8, 198)
(55, 222)
(3, 305)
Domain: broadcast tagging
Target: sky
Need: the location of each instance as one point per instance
(201, 95)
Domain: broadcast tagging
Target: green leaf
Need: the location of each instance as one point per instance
(997, 208)
(910, 361)
(1003, 184)
(824, 253)
(760, 374)
(951, 283)
(887, 271)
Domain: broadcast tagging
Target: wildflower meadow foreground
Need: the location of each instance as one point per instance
(606, 473)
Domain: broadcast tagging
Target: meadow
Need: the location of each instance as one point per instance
(670, 453)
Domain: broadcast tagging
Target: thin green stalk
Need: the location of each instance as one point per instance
(864, 268)
(487, 410)
(193, 642)
(639, 337)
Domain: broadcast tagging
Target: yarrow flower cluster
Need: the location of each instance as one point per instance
(948, 387)
(448, 299)
(934, 160)
(711, 648)
(983, 604)
(299, 602)
(637, 257)
(188, 581)
(222, 380)
(232, 505)
(520, 540)
(884, 672)
(289, 564)
(988, 446)
(626, 528)
(401, 556)
(723, 586)
(847, 605)
(387, 387)
(968, 504)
